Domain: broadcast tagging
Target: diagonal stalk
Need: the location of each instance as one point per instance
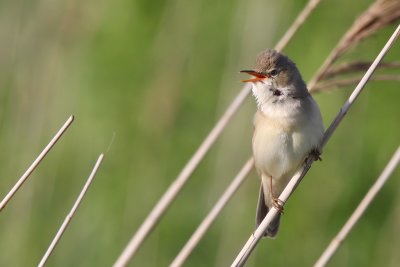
(36, 162)
(68, 219)
(359, 211)
(212, 215)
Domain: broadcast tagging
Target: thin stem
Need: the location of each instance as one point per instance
(358, 66)
(301, 18)
(256, 236)
(68, 219)
(359, 211)
(212, 215)
(161, 206)
(352, 81)
(35, 163)
(323, 69)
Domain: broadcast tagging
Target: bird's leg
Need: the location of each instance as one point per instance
(276, 202)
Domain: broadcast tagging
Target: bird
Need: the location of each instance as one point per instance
(288, 127)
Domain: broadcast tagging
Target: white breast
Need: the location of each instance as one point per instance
(281, 142)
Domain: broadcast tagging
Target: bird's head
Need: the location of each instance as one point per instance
(275, 79)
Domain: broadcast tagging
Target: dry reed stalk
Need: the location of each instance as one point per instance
(293, 183)
(68, 219)
(301, 18)
(357, 66)
(359, 211)
(167, 198)
(380, 14)
(212, 215)
(36, 162)
(352, 81)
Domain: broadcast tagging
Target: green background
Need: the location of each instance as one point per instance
(146, 81)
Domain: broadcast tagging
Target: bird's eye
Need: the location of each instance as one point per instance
(273, 72)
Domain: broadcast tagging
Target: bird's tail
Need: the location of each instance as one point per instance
(262, 210)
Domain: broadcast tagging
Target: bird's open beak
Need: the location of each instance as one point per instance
(258, 77)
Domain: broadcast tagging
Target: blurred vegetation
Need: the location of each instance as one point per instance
(157, 75)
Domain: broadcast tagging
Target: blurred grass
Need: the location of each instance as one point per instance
(158, 74)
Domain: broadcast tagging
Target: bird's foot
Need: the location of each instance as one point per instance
(316, 154)
(278, 204)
